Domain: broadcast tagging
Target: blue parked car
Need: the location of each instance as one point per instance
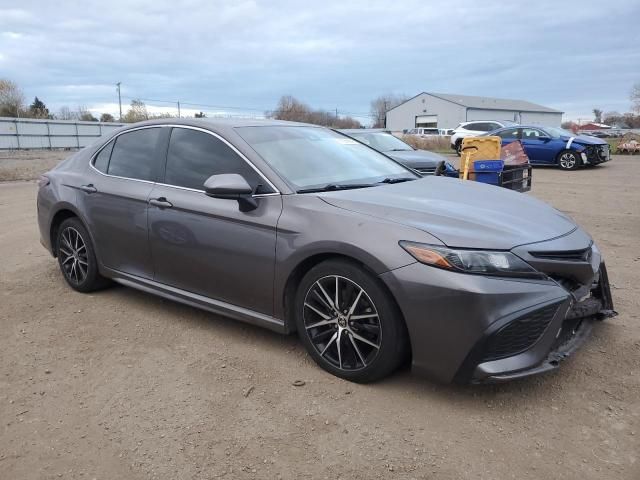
(555, 146)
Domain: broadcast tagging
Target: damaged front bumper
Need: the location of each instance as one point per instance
(563, 336)
(596, 154)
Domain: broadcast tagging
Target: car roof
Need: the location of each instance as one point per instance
(506, 122)
(217, 123)
(541, 127)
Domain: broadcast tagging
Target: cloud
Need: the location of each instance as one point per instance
(334, 54)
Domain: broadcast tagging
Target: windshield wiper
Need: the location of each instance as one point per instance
(336, 186)
(400, 150)
(396, 180)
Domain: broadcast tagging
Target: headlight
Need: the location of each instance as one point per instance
(483, 262)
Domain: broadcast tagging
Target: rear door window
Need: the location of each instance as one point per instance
(194, 156)
(135, 155)
(509, 134)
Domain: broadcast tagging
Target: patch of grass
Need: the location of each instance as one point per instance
(434, 144)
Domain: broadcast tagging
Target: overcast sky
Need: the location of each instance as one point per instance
(569, 55)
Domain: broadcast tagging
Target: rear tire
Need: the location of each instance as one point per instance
(365, 338)
(569, 160)
(77, 258)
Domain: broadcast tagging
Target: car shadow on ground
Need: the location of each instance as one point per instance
(401, 383)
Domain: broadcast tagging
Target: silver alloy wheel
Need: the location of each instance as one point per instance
(342, 322)
(567, 160)
(73, 253)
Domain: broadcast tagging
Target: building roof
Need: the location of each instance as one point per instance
(489, 103)
(594, 126)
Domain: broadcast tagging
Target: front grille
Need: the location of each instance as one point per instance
(582, 255)
(519, 335)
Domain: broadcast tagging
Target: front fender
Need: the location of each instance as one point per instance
(310, 227)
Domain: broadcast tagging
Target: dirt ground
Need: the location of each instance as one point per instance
(28, 164)
(122, 384)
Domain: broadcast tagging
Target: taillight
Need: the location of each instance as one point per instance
(43, 181)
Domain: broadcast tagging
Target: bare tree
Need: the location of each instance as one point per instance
(65, 113)
(381, 105)
(612, 118)
(597, 115)
(291, 109)
(137, 112)
(107, 117)
(635, 97)
(11, 98)
(85, 115)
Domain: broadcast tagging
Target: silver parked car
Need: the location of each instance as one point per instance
(295, 227)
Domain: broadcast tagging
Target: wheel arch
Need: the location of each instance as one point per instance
(300, 270)
(63, 212)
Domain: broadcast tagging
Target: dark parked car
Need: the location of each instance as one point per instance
(294, 227)
(383, 141)
(555, 146)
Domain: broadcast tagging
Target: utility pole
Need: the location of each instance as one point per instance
(383, 120)
(178, 109)
(119, 100)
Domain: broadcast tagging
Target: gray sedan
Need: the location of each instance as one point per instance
(295, 227)
(423, 161)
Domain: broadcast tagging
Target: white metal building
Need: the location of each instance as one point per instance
(441, 110)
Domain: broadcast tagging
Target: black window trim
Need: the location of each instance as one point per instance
(189, 127)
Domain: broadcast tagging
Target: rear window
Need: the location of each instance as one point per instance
(134, 154)
(101, 161)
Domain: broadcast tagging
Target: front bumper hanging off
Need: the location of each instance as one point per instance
(575, 325)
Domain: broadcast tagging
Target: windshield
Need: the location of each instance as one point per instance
(381, 141)
(310, 157)
(558, 132)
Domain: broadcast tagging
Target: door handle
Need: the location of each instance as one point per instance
(88, 188)
(160, 202)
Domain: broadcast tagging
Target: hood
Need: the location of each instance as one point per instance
(417, 158)
(584, 140)
(459, 213)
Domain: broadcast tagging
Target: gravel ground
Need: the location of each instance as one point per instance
(121, 384)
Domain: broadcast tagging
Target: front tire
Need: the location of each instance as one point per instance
(362, 337)
(569, 160)
(77, 258)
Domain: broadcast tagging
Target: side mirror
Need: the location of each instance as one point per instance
(231, 186)
(544, 138)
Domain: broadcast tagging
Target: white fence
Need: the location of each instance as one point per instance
(29, 133)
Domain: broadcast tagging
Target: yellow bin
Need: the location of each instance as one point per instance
(478, 148)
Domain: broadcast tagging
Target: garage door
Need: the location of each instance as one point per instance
(427, 121)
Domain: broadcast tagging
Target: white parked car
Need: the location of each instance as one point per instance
(475, 128)
(424, 132)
